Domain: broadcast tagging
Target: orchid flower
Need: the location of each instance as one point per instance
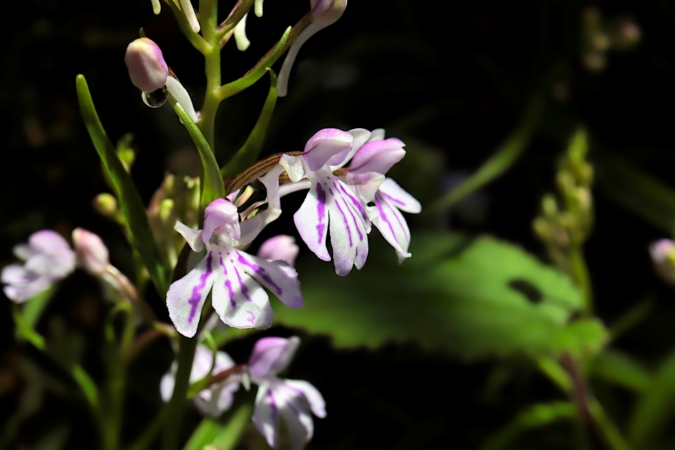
(279, 248)
(150, 73)
(377, 156)
(235, 278)
(214, 400)
(281, 399)
(323, 14)
(331, 205)
(48, 258)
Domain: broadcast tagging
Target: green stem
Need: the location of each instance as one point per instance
(208, 15)
(175, 407)
(501, 161)
(580, 274)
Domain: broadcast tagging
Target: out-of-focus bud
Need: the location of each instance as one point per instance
(663, 257)
(626, 36)
(549, 206)
(594, 61)
(156, 6)
(323, 14)
(279, 248)
(147, 69)
(92, 254)
(106, 205)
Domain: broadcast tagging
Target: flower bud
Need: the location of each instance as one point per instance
(663, 257)
(147, 69)
(279, 248)
(106, 205)
(92, 254)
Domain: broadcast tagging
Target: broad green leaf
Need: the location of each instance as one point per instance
(253, 75)
(620, 369)
(533, 417)
(654, 409)
(249, 152)
(471, 298)
(131, 205)
(222, 436)
(212, 187)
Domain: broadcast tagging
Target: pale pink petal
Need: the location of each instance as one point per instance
(277, 276)
(377, 156)
(395, 194)
(279, 248)
(294, 167)
(237, 298)
(327, 146)
(192, 236)
(393, 226)
(376, 135)
(360, 136)
(189, 11)
(186, 296)
(365, 185)
(313, 396)
(266, 415)
(91, 252)
(178, 91)
(348, 230)
(220, 217)
(271, 355)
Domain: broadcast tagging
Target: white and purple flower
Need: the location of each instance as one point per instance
(375, 157)
(47, 259)
(235, 278)
(215, 399)
(331, 206)
(281, 399)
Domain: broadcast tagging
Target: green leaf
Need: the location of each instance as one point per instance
(86, 384)
(471, 298)
(654, 409)
(25, 330)
(212, 187)
(249, 152)
(131, 205)
(253, 75)
(618, 368)
(222, 436)
(533, 417)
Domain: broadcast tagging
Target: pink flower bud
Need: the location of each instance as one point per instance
(327, 10)
(147, 69)
(279, 248)
(92, 254)
(663, 257)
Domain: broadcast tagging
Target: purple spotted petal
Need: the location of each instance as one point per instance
(220, 217)
(396, 195)
(277, 276)
(271, 355)
(328, 146)
(186, 296)
(237, 298)
(266, 415)
(377, 156)
(312, 395)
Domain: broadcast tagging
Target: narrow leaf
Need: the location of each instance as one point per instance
(26, 331)
(249, 152)
(131, 205)
(222, 436)
(86, 384)
(212, 186)
(253, 75)
(620, 369)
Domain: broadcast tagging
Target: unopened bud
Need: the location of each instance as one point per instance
(549, 206)
(92, 254)
(147, 69)
(626, 36)
(279, 248)
(106, 205)
(663, 257)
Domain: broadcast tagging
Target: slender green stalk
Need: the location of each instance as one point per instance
(580, 274)
(175, 407)
(208, 15)
(501, 161)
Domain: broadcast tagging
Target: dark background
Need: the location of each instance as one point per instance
(450, 78)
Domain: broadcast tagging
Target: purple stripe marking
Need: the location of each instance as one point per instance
(196, 297)
(356, 203)
(274, 411)
(383, 216)
(262, 273)
(393, 199)
(244, 288)
(398, 218)
(344, 219)
(228, 284)
(321, 211)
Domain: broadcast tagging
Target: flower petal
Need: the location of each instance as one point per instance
(313, 396)
(220, 216)
(237, 298)
(377, 156)
(266, 415)
(327, 146)
(366, 184)
(360, 136)
(311, 220)
(186, 296)
(279, 248)
(277, 276)
(393, 226)
(271, 355)
(348, 231)
(395, 194)
(182, 96)
(376, 135)
(192, 236)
